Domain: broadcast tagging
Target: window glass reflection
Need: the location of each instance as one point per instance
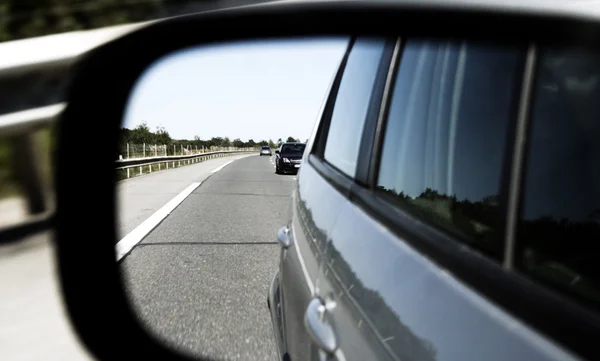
(559, 231)
(352, 102)
(446, 136)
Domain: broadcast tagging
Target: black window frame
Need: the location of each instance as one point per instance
(338, 179)
(557, 317)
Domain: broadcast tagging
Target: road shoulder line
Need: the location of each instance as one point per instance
(221, 167)
(127, 243)
(228, 163)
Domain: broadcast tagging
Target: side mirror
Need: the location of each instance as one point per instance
(165, 223)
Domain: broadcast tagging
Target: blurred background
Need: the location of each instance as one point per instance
(20, 19)
(33, 322)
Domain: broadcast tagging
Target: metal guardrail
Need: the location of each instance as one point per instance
(127, 164)
(168, 158)
(19, 128)
(30, 78)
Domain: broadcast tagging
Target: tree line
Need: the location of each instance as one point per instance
(547, 240)
(143, 135)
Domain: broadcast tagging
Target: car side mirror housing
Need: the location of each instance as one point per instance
(99, 92)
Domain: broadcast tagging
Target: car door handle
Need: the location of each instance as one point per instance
(319, 330)
(284, 237)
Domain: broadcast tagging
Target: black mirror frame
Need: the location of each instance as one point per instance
(98, 94)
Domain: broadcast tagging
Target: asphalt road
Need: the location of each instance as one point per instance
(199, 280)
(139, 197)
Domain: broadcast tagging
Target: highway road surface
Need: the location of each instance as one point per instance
(199, 279)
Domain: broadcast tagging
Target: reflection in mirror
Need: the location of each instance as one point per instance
(201, 197)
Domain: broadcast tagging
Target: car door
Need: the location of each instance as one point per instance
(332, 167)
(433, 192)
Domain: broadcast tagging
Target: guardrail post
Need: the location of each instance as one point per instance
(127, 172)
(144, 144)
(141, 170)
(127, 150)
(27, 171)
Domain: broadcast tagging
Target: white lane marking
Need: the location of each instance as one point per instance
(126, 244)
(231, 161)
(221, 167)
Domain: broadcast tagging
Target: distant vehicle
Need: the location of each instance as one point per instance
(265, 150)
(289, 157)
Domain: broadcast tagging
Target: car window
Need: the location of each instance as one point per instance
(352, 101)
(447, 129)
(559, 229)
(293, 148)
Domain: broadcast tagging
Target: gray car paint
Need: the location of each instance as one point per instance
(390, 301)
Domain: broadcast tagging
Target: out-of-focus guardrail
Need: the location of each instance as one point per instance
(18, 129)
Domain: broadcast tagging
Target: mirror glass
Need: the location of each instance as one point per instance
(214, 139)
(200, 197)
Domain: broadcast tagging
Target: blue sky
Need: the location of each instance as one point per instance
(252, 90)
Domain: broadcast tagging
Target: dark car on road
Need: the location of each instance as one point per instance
(288, 157)
(441, 214)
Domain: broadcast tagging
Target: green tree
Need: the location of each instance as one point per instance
(291, 140)
(237, 142)
(162, 136)
(141, 134)
(215, 142)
